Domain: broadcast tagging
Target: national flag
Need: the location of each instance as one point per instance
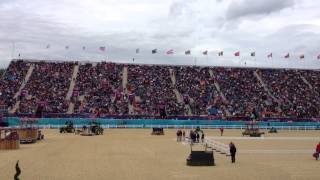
(137, 50)
(237, 53)
(170, 51)
(67, 47)
(253, 54)
(270, 55)
(318, 57)
(102, 48)
(287, 56)
(205, 52)
(188, 52)
(302, 56)
(83, 48)
(48, 46)
(220, 53)
(154, 51)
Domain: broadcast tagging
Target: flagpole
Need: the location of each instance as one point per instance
(13, 50)
(207, 60)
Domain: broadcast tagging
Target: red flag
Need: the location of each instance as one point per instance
(170, 51)
(270, 55)
(102, 48)
(287, 56)
(237, 53)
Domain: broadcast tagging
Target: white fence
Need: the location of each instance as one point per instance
(107, 126)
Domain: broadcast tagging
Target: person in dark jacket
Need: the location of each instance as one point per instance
(198, 136)
(233, 151)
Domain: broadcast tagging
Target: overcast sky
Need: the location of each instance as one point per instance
(262, 26)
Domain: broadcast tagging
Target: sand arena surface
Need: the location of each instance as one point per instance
(127, 154)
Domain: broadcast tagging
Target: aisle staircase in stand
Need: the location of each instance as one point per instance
(265, 87)
(177, 93)
(23, 84)
(217, 86)
(71, 88)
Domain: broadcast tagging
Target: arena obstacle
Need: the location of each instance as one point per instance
(218, 146)
(9, 139)
(157, 131)
(29, 132)
(200, 157)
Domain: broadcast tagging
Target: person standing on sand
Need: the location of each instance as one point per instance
(317, 151)
(233, 151)
(202, 137)
(183, 135)
(221, 131)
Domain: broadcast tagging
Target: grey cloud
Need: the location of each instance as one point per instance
(238, 9)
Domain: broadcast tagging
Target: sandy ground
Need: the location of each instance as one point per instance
(126, 154)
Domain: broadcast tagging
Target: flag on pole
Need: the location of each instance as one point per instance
(154, 51)
(205, 52)
(270, 55)
(67, 47)
(102, 48)
(170, 51)
(188, 52)
(48, 46)
(220, 53)
(253, 54)
(137, 50)
(287, 56)
(237, 53)
(83, 48)
(302, 56)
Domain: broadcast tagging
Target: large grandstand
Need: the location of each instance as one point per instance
(110, 89)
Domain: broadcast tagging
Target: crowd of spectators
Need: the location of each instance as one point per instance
(11, 82)
(313, 77)
(100, 85)
(297, 99)
(197, 88)
(154, 88)
(243, 91)
(48, 87)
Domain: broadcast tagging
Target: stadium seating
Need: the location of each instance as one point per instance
(100, 85)
(103, 89)
(11, 81)
(47, 85)
(153, 86)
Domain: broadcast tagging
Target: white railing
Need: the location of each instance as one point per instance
(109, 126)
